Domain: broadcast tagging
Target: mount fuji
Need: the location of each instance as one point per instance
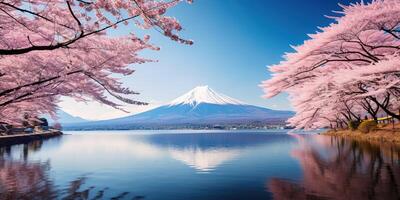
(198, 107)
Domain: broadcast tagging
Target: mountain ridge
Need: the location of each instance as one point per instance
(200, 107)
(65, 118)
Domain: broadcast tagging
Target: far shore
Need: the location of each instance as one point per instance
(386, 133)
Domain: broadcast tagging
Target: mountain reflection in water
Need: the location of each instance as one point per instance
(336, 168)
(205, 152)
(144, 165)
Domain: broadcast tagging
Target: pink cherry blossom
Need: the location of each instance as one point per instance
(346, 71)
(53, 48)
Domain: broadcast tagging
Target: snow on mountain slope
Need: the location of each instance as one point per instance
(204, 94)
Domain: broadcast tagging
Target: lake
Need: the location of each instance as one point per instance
(194, 165)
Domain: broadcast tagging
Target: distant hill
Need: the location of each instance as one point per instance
(65, 118)
(200, 106)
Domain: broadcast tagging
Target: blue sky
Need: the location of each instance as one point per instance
(235, 41)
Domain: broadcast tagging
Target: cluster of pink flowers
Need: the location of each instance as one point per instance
(345, 72)
(53, 48)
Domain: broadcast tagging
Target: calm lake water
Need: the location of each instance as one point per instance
(191, 165)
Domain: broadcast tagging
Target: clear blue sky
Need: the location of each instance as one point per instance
(235, 41)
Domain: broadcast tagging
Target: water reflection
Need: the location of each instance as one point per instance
(23, 179)
(206, 152)
(157, 165)
(336, 168)
(204, 160)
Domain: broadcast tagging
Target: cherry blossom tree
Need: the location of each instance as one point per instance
(347, 70)
(57, 48)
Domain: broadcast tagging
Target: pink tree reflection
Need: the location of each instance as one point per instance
(335, 168)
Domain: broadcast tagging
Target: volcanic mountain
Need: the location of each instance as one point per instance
(200, 106)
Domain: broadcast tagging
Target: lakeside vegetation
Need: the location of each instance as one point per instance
(375, 132)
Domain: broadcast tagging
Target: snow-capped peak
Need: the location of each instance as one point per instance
(204, 94)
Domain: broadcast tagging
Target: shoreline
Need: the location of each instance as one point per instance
(24, 138)
(382, 134)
